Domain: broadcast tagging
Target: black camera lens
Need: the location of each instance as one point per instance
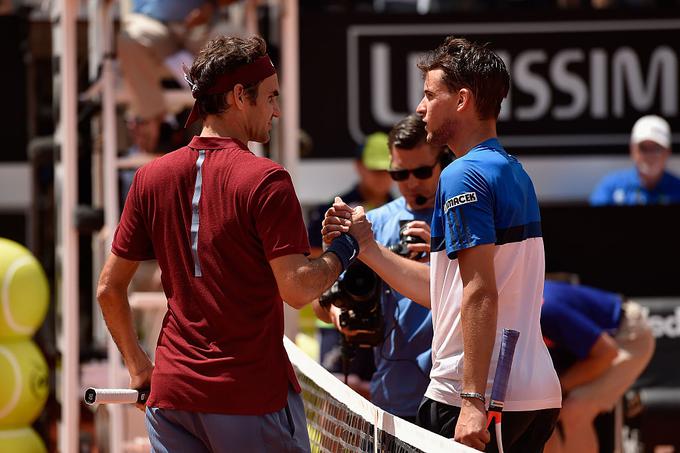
(360, 282)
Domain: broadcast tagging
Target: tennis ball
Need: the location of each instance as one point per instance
(23, 383)
(24, 291)
(22, 440)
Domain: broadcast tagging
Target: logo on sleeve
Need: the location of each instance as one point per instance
(464, 198)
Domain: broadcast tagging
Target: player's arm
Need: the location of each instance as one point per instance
(278, 222)
(479, 312)
(599, 359)
(302, 280)
(410, 278)
(113, 300)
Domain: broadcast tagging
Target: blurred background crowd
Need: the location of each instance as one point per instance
(593, 115)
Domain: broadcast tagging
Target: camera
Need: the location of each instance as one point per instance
(357, 295)
(401, 247)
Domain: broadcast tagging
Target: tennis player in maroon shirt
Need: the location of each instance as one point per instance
(227, 230)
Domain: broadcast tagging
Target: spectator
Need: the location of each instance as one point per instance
(648, 182)
(600, 344)
(152, 32)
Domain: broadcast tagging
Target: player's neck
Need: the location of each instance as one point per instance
(475, 133)
(217, 126)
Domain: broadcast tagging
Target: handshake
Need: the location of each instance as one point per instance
(353, 304)
(341, 218)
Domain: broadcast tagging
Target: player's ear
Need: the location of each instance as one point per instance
(239, 96)
(464, 99)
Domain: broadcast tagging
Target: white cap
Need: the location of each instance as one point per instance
(651, 127)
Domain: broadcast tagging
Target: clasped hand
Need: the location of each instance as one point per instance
(341, 218)
(471, 427)
(142, 380)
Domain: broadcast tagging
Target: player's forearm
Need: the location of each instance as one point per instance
(479, 313)
(118, 317)
(410, 278)
(310, 279)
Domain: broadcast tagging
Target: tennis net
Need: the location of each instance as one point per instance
(340, 420)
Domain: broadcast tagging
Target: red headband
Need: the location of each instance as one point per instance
(246, 75)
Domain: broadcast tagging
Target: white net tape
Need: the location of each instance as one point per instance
(340, 420)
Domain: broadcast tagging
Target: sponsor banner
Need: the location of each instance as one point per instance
(666, 325)
(14, 119)
(577, 85)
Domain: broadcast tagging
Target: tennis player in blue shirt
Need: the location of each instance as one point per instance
(404, 359)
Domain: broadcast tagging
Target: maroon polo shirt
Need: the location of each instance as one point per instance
(214, 215)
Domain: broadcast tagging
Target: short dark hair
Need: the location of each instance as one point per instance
(220, 56)
(469, 65)
(407, 133)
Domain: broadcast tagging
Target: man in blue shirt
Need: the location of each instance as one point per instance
(487, 262)
(648, 182)
(403, 360)
(600, 344)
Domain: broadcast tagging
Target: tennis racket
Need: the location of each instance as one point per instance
(116, 396)
(500, 382)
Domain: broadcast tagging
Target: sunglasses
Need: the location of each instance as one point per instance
(424, 172)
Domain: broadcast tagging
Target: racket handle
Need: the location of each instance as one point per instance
(116, 396)
(500, 381)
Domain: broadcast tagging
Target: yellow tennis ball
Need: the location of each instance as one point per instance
(22, 440)
(24, 292)
(23, 383)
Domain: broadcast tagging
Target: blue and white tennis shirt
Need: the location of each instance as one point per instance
(486, 197)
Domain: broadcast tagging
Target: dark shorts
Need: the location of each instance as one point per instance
(523, 432)
(181, 431)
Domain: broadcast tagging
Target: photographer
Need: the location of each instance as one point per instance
(371, 190)
(403, 355)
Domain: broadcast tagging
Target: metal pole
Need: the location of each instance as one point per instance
(291, 114)
(68, 133)
(291, 87)
(251, 17)
(111, 208)
(111, 203)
